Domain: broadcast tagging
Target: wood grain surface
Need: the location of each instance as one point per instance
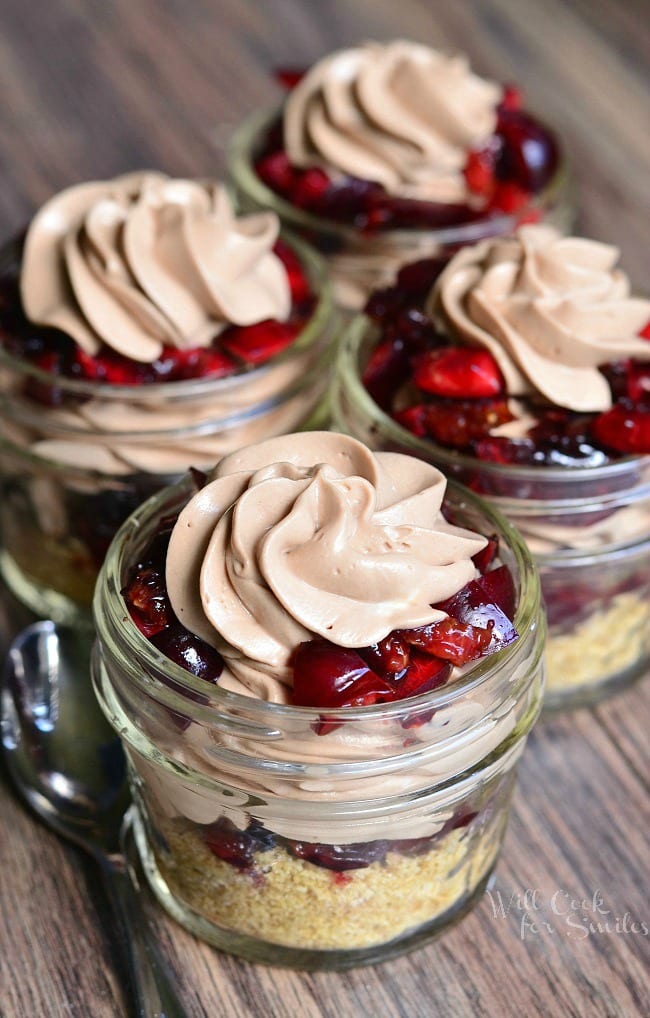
(93, 88)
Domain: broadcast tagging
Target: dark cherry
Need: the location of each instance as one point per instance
(147, 601)
(490, 599)
(423, 674)
(339, 857)
(390, 657)
(529, 154)
(387, 368)
(458, 372)
(189, 652)
(486, 556)
(451, 640)
(326, 675)
(227, 842)
(417, 278)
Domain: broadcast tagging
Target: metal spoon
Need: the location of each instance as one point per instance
(69, 765)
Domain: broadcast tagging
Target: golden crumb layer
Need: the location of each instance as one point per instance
(288, 901)
(605, 645)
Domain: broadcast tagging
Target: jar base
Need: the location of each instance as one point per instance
(591, 694)
(262, 952)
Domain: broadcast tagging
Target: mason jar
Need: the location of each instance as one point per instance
(290, 836)
(73, 470)
(588, 529)
(360, 262)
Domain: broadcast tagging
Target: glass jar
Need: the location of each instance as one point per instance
(361, 262)
(286, 836)
(588, 529)
(71, 473)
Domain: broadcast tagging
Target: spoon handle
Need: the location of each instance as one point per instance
(152, 986)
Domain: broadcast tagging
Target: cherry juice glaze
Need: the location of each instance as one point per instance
(551, 309)
(143, 260)
(398, 113)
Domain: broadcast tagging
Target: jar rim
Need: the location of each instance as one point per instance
(240, 166)
(348, 375)
(110, 616)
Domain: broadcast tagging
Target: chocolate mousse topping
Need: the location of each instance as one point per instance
(550, 309)
(397, 113)
(312, 534)
(143, 261)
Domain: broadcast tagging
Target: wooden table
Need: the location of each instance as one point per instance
(92, 89)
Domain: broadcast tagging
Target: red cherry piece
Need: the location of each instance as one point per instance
(458, 422)
(509, 197)
(423, 674)
(457, 642)
(298, 282)
(227, 842)
(512, 98)
(490, 598)
(289, 77)
(479, 171)
(147, 601)
(414, 419)
(389, 657)
(310, 187)
(277, 172)
(256, 344)
(624, 429)
(387, 368)
(645, 331)
(486, 556)
(340, 857)
(458, 372)
(499, 449)
(325, 675)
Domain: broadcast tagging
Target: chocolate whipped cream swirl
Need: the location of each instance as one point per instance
(144, 261)
(551, 309)
(399, 113)
(312, 535)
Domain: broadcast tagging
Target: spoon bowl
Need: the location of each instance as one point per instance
(61, 752)
(66, 761)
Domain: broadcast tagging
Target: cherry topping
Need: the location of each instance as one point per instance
(257, 343)
(326, 675)
(455, 423)
(486, 556)
(147, 601)
(529, 156)
(457, 642)
(458, 372)
(488, 599)
(624, 428)
(423, 674)
(190, 652)
(227, 842)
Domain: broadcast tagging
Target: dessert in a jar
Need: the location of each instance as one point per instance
(524, 370)
(388, 152)
(145, 328)
(324, 666)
